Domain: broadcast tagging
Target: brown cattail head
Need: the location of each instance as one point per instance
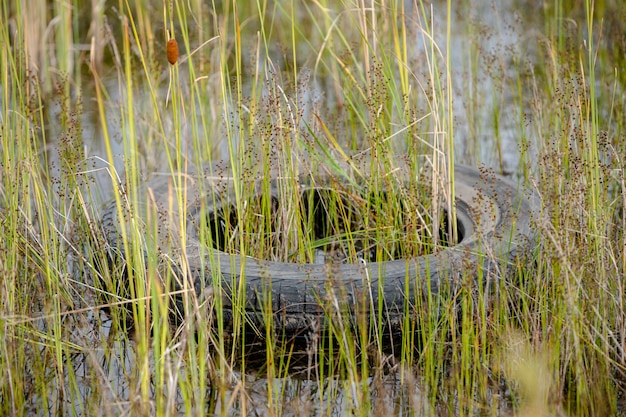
(172, 51)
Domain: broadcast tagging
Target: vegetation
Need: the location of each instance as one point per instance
(282, 91)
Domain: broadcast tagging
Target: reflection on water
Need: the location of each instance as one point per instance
(111, 361)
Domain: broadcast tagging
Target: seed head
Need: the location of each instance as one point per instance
(172, 51)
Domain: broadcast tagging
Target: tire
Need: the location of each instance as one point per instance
(493, 218)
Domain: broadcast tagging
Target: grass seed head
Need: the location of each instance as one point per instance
(172, 51)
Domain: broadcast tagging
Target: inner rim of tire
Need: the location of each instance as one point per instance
(332, 226)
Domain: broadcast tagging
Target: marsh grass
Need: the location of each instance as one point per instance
(287, 93)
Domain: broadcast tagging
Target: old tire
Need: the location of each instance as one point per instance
(493, 216)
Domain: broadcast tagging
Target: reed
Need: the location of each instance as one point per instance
(369, 96)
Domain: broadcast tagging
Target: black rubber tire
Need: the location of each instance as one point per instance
(493, 216)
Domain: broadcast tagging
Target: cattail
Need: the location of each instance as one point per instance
(172, 51)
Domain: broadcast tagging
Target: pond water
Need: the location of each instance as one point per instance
(489, 56)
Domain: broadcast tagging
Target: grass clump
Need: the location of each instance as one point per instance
(339, 124)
